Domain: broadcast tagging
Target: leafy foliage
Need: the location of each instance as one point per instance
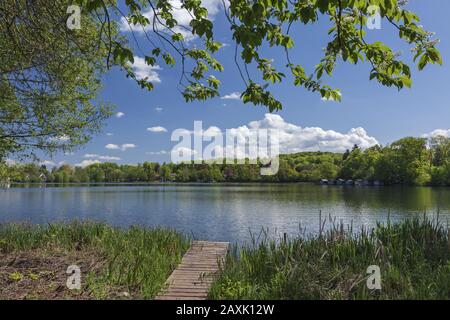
(255, 24)
(49, 77)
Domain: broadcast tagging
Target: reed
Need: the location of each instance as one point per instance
(413, 256)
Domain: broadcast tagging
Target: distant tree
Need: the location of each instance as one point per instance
(440, 148)
(405, 161)
(166, 173)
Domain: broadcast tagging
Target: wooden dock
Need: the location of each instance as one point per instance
(192, 279)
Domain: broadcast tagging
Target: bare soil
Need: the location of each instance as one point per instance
(41, 274)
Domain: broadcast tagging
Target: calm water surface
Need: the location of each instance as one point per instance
(223, 212)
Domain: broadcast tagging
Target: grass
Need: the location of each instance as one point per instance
(132, 262)
(413, 256)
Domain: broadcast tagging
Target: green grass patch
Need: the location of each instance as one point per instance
(413, 256)
(135, 260)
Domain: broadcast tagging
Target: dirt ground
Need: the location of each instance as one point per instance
(41, 274)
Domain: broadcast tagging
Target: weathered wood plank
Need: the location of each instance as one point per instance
(195, 274)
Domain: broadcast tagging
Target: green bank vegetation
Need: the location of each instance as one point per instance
(409, 161)
(413, 256)
(114, 262)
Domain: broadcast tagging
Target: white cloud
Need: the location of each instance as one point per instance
(156, 152)
(232, 96)
(157, 129)
(159, 109)
(112, 146)
(122, 147)
(182, 16)
(47, 163)
(106, 158)
(127, 146)
(119, 114)
(145, 72)
(211, 131)
(292, 138)
(109, 134)
(86, 163)
(90, 155)
(438, 132)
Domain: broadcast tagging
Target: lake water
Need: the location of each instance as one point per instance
(223, 212)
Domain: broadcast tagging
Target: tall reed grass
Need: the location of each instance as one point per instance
(413, 256)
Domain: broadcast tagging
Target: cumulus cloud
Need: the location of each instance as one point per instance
(127, 146)
(294, 138)
(122, 147)
(100, 157)
(157, 129)
(159, 109)
(109, 134)
(212, 132)
(182, 16)
(161, 152)
(291, 137)
(438, 132)
(119, 114)
(145, 72)
(232, 96)
(86, 163)
(112, 146)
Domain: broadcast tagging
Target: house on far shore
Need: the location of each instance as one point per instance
(43, 177)
(5, 184)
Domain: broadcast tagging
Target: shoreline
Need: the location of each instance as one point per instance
(259, 183)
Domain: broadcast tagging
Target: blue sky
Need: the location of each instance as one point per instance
(384, 113)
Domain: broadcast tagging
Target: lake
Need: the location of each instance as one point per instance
(223, 212)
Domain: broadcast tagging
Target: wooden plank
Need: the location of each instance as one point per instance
(192, 279)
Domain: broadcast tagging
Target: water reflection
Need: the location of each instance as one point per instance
(222, 212)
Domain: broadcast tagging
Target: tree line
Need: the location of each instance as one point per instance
(408, 161)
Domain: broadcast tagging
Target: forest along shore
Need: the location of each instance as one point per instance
(408, 161)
